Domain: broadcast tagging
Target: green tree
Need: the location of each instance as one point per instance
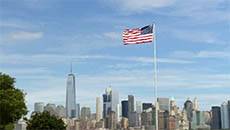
(45, 121)
(12, 103)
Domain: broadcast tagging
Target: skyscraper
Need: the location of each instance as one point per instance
(107, 102)
(229, 111)
(70, 97)
(224, 116)
(138, 107)
(188, 106)
(60, 110)
(85, 113)
(131, 103)
(146, 106)
(98, 109)
(125, 108)
(216, 118)
(78, 110)
(163, 104)
(195, 102)
(114, 100)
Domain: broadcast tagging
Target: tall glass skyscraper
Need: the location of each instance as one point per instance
(70, 97)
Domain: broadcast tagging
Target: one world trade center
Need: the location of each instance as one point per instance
(70, 97)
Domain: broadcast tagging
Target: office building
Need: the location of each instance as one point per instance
(146, 106)
(98, 109)
(229, 111)
(124, 123)
(85, 114)
(107, 104)
(38, 107)
(163, 104)
(224, 116)
(131, 103)
(173, 107)
(163, 120)
(78, 109)
(216, 118)
(188, 106)
(61, 111)
(51, 108)
(125, 108)
(138, 107)
(114, 100)
(118, 113)
(111, 121)
(195, 102)
(133, 119)
(197, 119)
(70, 97)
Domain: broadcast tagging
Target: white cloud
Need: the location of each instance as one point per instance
(201, 11)
(198, 36)
(24, 70)
(54, 58)
(144, 5)
(26, 35)
(202, 54)
(213, 54)
(13, 25)
(113, 35)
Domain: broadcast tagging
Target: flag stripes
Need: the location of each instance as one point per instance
(135, 36)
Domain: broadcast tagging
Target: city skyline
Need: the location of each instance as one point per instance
(169, 114)
(192, 44)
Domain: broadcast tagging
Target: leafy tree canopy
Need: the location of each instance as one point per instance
(12, 102)
(45, 121)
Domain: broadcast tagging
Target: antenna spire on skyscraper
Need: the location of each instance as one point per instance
(71, 66)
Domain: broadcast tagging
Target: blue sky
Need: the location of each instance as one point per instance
(38, 39)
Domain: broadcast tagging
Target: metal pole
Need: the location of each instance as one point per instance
(155, 73)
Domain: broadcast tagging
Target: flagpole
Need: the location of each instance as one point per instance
(155, 73)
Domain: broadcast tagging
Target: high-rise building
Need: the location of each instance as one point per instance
(229, 111)
(138, 107)
(114, 100)
(118, 114)
(78, 109)
(130, 107)
(85, 113)
(131, 103)
(163, 104)
(38, 107)
(146, 118)
(146, 106)
(133, 119)
(111, 121)
(125, 108)
(216, 118)
(195, 102)
(70, 97)
(173, 107)
(188, 106)
(61, 111)
(98, 109)
(224, 116)
(124, 122)
(197, 119)
(107, 102)
(163, 120)
(51, 108)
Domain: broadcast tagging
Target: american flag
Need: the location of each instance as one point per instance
(138, 35)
